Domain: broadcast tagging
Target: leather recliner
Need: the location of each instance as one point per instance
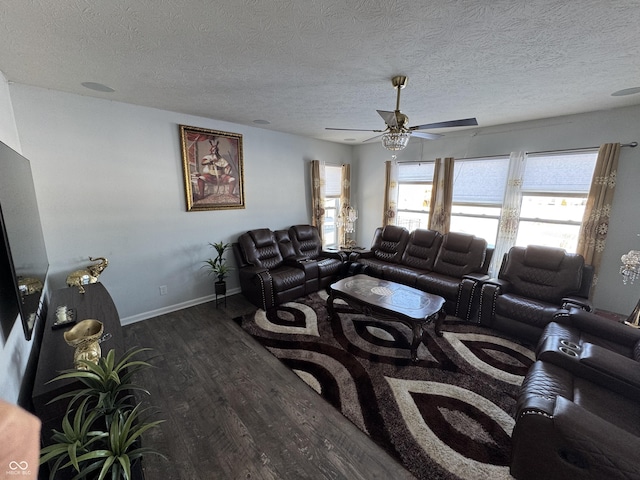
(534, 284)
(308, 246)
(266, 278)
(568, 426)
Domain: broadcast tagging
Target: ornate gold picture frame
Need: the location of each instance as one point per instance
(213, 169)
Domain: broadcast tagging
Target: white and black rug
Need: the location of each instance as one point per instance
(450, 415)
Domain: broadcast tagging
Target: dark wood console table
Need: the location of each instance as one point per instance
(55, 355)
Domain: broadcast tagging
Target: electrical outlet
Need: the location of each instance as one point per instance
(163, 289)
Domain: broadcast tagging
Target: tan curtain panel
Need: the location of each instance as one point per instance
(345, 200)
(441, 196)
(390, 208)
(317, 195)
(595, 222)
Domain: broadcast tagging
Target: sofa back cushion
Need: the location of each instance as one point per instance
(460, 254)
(422, 249)
(285, 244)
(543, 273)
(389, 243)
(260, 248)
(306, 240)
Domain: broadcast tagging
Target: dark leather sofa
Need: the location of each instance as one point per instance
(579, 405)
(534, 284)
(451, 266)
(276, 267)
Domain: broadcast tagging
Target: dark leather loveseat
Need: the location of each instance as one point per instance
(276, 267)
(579, 405)
(450, 265)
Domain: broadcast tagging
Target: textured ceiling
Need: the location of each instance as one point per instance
(304, 65)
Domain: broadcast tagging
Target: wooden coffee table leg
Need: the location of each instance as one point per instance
(439, 321)
(417, 339)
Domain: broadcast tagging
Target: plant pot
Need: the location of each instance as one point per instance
(221, 288)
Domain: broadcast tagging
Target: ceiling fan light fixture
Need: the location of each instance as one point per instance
(395, 141)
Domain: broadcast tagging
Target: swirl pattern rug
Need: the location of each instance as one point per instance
(448, 416)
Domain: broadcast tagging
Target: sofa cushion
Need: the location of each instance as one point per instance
(535, 276)
(306, 240)
(389, 243)
(460, 254)
(422, 249)
(260, 248)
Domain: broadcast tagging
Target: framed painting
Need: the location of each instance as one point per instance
(213, 170)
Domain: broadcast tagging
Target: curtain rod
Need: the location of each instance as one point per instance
(631, 145)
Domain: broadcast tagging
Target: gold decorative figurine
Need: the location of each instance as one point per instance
(85, 337)
(87, 275)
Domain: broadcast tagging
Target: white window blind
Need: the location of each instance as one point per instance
(333, 180)
(562, 172)
(480, 180)
(415, 172)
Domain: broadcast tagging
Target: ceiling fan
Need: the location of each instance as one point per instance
(396, 135)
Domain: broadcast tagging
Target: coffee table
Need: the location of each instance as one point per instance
(390, 301)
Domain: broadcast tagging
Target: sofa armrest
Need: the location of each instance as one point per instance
(337, 254)
(491, 288)
(295, 260)
(611, 367)
(593, 363)
(601, 327)
(308, 265)
(257, 286)
(469, 296)
(361, 254)
(578, 302)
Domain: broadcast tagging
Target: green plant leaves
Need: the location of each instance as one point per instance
(107, 403)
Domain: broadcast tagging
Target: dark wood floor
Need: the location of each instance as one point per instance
(233, 411)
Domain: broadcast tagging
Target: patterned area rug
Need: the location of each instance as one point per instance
(450, 415)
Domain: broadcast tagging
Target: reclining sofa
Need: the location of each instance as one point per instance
(578, 413)
(451, 265)
(276, 267)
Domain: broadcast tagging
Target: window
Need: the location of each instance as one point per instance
(414, 194)
(554, 195)
(478, 190)
(333, 181)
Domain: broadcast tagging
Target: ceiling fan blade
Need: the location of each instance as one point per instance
(354, 129)
(372, 138)
(465, 122)
(428, 136)
(389, 118)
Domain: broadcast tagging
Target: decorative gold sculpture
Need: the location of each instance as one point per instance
(87, 275)
(29, 285)
(85, 337)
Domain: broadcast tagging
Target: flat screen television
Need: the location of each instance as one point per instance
(23, 255)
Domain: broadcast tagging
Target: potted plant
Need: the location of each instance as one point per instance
(218, 267)
(100, 435)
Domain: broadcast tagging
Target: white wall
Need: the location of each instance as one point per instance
(574, 131)
(109, 182)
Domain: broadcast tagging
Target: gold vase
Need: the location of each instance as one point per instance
(85, 338)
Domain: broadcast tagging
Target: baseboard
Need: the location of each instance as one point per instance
(172, 308)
